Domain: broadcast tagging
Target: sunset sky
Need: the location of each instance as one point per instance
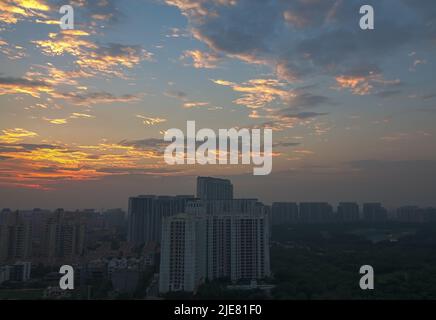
(83, 111)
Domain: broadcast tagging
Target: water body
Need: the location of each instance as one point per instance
(379, 235)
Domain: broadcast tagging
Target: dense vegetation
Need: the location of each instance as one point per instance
(323, 262)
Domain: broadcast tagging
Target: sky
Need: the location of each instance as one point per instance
(83, 112)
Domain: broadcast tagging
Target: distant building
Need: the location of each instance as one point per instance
(414, 214)
(315, 212)
(4, 214)
(15, 237)
(284, 212)
(38, 217)
(115, 219)
(5, 273)
(232, 206)
(94, 219)
(65, 235)
(411, 214)
(209, 188)
(373, 212)
(348, 212)
(146, 213)
(430, 215)
(20, 271)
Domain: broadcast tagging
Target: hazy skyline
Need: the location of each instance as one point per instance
(82, 112)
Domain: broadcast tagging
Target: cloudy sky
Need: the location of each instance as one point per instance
(83, 111)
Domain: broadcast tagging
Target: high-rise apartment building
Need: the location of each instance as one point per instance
(4, 214)
(315, 212)
(209, 188)
(65, 235)
(348, 212)
(232, 206)
(146, 213)
(284, 212)
(238, 246)
(115, 219)
(20, 271)
(231, 242)
(414, 214)
(374, 212)
(15, 237)
(183, 253)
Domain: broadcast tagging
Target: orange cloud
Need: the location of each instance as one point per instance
(199, 8)
(49, 22)
(363, 84)
(56, 121)
(53, 75)
(10, 85)
(91, 58)
(76, 115)
(189, 105)
(42, 165)
(357, 85)
(11, 11)
(151, 121)
(201, 60)
(16, 135)
(67, 41)
(110, 60)
(12, 52)
(257, 93)
(90, 98)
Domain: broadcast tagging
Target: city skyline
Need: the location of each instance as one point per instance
(53, 236)
(83, 111)
(214, 188)
(202, 246)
